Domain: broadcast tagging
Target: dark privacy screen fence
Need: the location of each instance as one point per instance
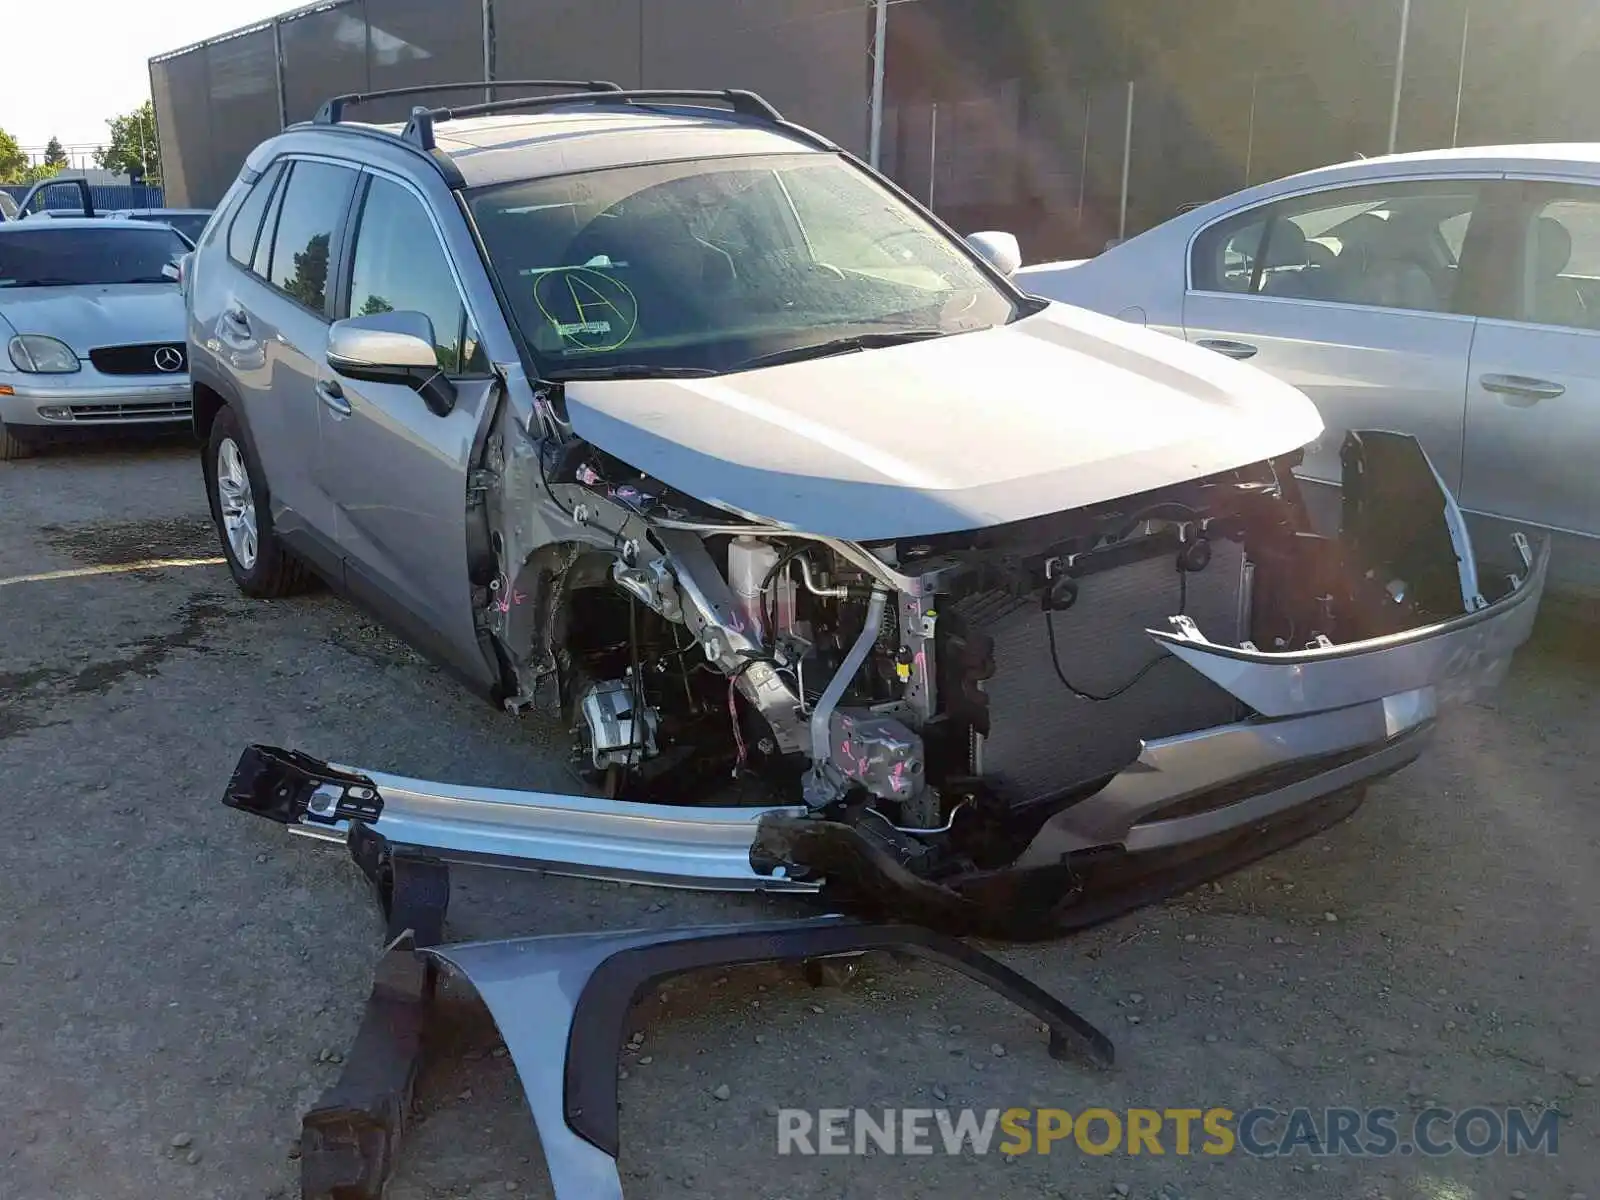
(217, 100)
(1075, 121)
(1068, 121)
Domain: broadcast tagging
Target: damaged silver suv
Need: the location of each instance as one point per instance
(847, 563)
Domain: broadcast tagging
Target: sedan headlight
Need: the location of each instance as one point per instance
(40, 355)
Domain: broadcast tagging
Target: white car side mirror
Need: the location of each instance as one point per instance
(1000, 250)
(392, 347)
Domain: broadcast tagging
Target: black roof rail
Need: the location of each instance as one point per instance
(332, 110)
(747, 104)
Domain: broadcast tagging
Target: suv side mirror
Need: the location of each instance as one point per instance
(392, 347)
(1000, 250)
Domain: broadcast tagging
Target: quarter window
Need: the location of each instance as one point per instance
(314, 204)
(1384, 246)
(262, 261)
(399, 266)
(246, 225)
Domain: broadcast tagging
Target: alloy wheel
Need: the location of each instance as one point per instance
(237, 502)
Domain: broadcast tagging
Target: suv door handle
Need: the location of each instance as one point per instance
(1531, 391)
(1239, 350)
(332, 395)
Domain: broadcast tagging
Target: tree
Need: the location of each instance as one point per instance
(133, 145)
(15, 167)
(309, 283)
(54, 155)
(38, 171)
(13, 162)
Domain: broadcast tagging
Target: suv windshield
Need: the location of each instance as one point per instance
(708, 265)
(45, 257)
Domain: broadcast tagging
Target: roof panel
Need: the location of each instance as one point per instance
(502, 147)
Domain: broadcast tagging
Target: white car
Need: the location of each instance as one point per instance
(1453, 295)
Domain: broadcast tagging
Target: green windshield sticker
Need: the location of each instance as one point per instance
(588, 309)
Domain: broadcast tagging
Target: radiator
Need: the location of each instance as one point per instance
(1044, 740)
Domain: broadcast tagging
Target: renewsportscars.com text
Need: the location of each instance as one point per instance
(1256, 1132)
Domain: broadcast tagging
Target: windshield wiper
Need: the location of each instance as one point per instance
(149, 279)
(842, 345)
(630, 371)
(46, 282)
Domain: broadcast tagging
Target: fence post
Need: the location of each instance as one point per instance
(488, 47)
(1250, 137)
(277, 65)
(1083, 158)
(1399, 74)
(880, 28)
(1127, 163)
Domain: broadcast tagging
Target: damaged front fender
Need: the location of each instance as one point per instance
(561, 1003)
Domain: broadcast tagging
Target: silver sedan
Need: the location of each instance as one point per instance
(1454, 295)
(91, 329)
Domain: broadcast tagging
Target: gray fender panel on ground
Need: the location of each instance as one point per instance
(560, 1003)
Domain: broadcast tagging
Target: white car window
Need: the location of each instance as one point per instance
(1388, 246)
(1561, 264)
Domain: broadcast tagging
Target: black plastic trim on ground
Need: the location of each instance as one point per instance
(278, 784)
(350, 1139)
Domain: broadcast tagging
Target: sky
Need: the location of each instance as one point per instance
(72, 64)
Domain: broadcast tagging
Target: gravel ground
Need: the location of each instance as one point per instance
(173, 972)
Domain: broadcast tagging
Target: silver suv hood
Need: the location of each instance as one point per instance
(1059, 410)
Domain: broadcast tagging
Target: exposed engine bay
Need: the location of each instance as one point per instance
(944, 696)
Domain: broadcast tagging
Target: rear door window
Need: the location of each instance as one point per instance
(314, 204)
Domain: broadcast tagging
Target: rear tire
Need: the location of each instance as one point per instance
(12, 447)
(260, 564)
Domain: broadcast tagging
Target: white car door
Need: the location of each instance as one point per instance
(1533, 393)
(1357, 295)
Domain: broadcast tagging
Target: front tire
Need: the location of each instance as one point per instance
(12, 447)
(260, 564)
